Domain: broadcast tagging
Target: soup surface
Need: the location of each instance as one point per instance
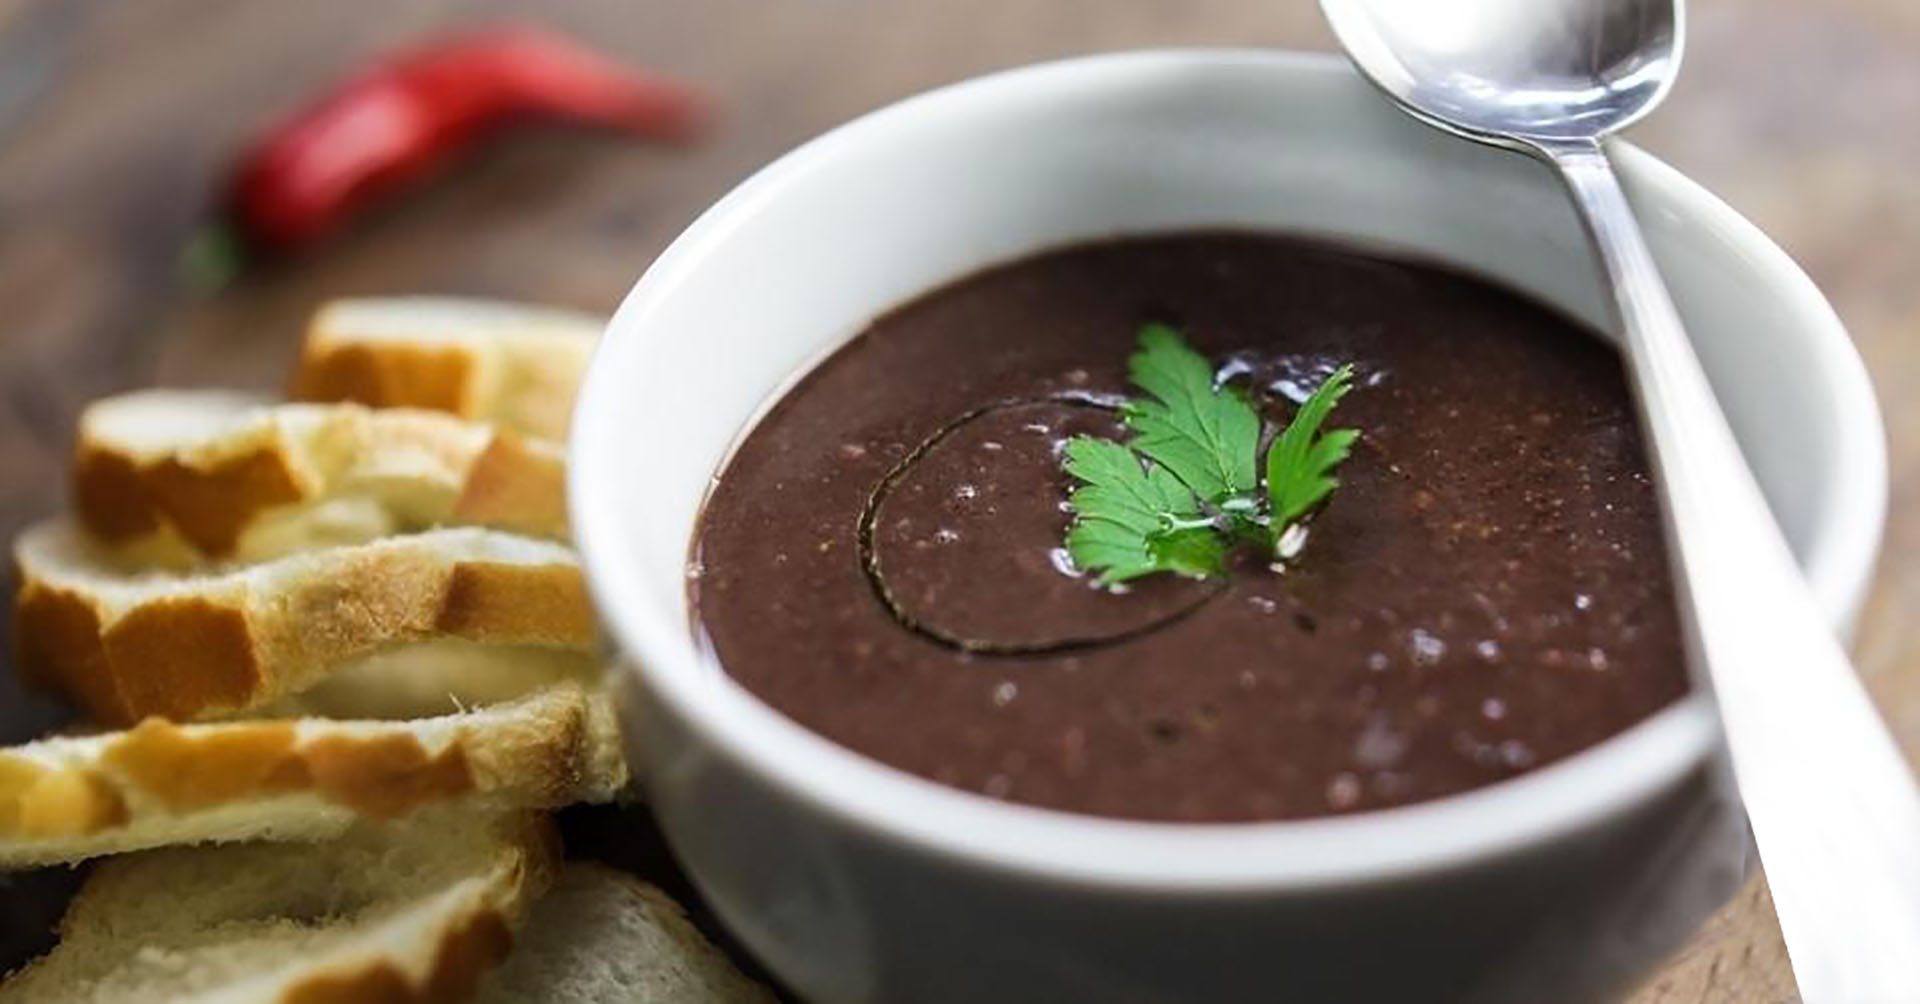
(1486, 591)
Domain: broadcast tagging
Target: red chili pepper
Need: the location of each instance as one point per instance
(412, 116)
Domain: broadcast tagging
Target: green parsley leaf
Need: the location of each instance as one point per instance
(1182, 492)
(1207, 436)
(1197, 552)
(1132, 519)
(1301, 460)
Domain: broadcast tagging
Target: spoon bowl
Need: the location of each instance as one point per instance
(1588, 68)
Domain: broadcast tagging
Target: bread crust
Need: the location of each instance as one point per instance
(437, 378)
(212, 491)
(515, 365)
(208, 505)
(471, 942)
(39, 803)
(161, 783)
(224, 642)
(515, 485)
(468, 950)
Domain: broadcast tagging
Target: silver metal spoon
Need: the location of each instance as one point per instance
(1833, 807)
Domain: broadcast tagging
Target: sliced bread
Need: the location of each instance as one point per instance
(125, 644)
(509, 363)
(605, 937)
(168, 476)
(417, 911)
(69, 798)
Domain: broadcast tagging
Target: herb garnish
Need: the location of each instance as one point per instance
(1301, 460)
(1133, 520)
(1183, 489)
(1207, 436)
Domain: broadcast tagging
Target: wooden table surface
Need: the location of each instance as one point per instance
(116, 118)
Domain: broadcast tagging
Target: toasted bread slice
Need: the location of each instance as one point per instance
(605, 937)
(417, 911)
(169, 476)
(126, 644)
(69, 798)
(509, 363)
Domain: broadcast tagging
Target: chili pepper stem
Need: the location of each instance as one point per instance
(213, 257)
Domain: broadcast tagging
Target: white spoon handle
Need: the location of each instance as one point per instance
(1833, 807)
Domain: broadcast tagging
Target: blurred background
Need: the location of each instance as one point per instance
(119, 122)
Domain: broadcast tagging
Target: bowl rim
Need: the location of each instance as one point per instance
(886, 803)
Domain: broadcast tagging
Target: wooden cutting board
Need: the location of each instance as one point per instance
(1787, 108)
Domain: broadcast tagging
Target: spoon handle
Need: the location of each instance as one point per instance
(1833, 807)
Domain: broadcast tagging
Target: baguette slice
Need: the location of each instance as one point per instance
(418, 911)
(127, 644)
(66, 799)
(605, 937)
(509, 363)
(168, 476)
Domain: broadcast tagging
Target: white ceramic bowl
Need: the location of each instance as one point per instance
(860, 883)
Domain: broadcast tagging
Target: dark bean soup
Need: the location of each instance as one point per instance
(1486, 591)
